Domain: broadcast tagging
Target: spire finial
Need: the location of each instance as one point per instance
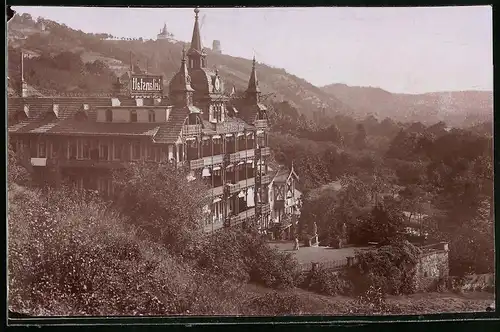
(196, 11)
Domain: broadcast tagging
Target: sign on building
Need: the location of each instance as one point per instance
(146, 84)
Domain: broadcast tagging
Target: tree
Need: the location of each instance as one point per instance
(383, 225)
(360, 138)
(163, 203)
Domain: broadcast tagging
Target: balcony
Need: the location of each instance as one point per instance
(261, 124)
(233, 188)
(237, 156)
(206, 161)
(216, 225)
(191, 130)
(196, 164)
(265, 179)
(242, 216)
(246, 183)
(264, 208)
(265, 151)
(217, 191)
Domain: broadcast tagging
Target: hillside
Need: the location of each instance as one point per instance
(459, 108)
(161, 57)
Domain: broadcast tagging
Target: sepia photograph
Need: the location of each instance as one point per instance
(250, 162)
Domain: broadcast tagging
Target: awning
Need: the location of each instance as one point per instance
(241, 163)
(217, 199)
(206, 172)
(206, 137)
(216, 168)
(190, 139)
(241, 194)
(240, 134)
(230, 165)
(249, 133)
(249, 161)
(216, 136)
(260, 132)
(229, 135)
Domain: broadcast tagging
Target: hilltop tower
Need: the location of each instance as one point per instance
(216, 46)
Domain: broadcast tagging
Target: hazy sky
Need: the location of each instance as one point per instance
(410, 50)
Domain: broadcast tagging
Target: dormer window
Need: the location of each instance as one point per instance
(109, 116)
(151, 116)
(55, 110)
(133, 116)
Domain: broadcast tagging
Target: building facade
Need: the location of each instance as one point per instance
(222, 141)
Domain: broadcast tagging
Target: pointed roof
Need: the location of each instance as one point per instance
(253, 83)
(181, 81)
(196, 39)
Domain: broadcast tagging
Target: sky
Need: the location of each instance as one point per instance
(402, 50)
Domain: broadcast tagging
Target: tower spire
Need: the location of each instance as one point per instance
(196, 53)
(253, 83)
(180, 85)
(196, 39)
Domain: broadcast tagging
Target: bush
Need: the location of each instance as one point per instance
(328, 282)
(276, 304)
(390, 268)
(246, 257)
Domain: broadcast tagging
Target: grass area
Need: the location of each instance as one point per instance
(416, 304)
(307, 255)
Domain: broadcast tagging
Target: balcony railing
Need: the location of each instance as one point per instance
(242, 216)
(217, 191)
(190, 130)
(237, 156)
(264, 208)
(195, 164)
(260, 124)
(233, 188)
(265, 151)
(265, 179)
(246, 183)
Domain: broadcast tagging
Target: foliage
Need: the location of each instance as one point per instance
(163, 204)
(390, 268)
(328, 282)
(246, 257)
(276, 304)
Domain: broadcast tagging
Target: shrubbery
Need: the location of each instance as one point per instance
(391, 268)
(245, 257)
(328, 282)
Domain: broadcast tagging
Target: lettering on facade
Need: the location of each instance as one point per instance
(146, 84)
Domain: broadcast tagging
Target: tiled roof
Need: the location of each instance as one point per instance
(169, 132)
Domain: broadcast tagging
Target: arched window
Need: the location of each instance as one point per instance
(109, 116)
(151, 116)
(133, 116)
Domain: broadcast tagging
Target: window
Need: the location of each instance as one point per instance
(109, 116)
(136, 151)
(41, 149)
(151, 116)
(84, 149)
(133, 116)
(72, 149)
(118, 147)
(150, 153)
(55, 148)
(103, 151)
(261, 140)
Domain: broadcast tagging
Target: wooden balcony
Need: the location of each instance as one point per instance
(191, 130)
(233, 188)
(246, 183)
(264, 208)
(261, 124)
(266, 179)
(237, 156)
(265, 151)
(242, 216)
(196, 164)
(217, 191)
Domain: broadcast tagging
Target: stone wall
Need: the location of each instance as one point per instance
(432, 267)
